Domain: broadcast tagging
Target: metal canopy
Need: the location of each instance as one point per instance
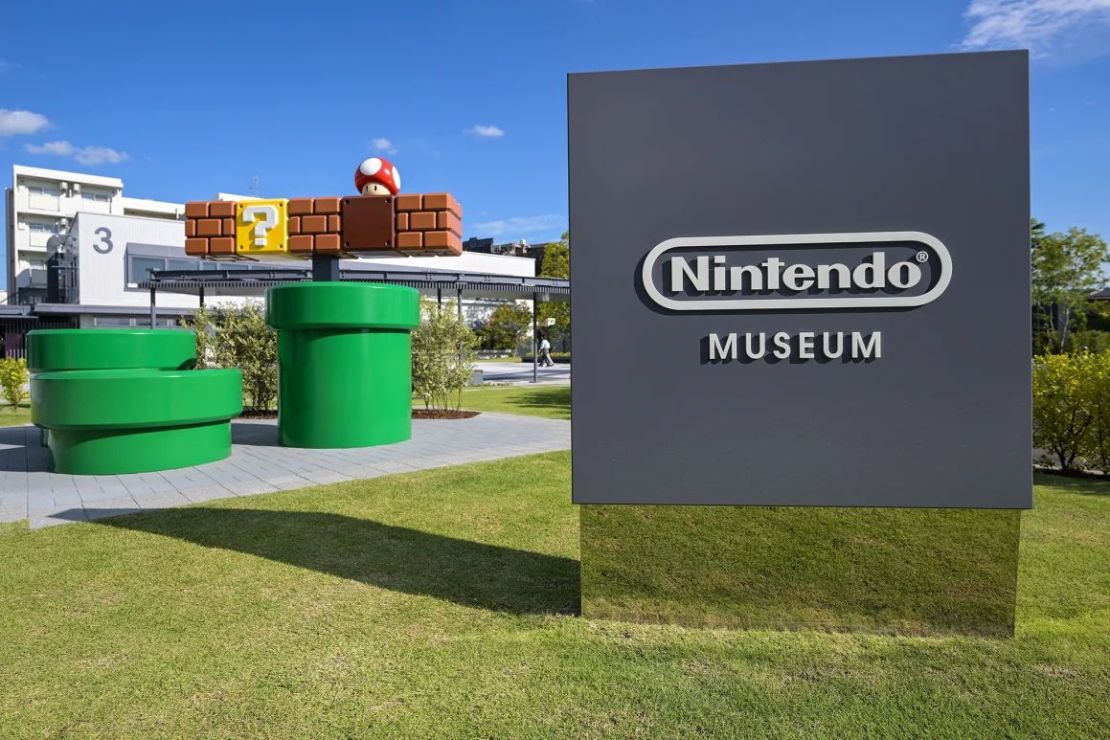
(254, 282)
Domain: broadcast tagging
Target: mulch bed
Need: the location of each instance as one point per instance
(445, 414)
(416, 414)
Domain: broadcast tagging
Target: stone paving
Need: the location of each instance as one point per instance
(257, 465)
(520, 373)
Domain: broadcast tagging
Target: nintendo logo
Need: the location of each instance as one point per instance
(714, 280)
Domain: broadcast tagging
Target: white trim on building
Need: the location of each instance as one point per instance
(42, 202)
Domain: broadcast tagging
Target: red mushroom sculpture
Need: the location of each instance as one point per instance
(377, 176)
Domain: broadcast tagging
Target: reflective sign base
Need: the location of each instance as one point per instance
(901, 571)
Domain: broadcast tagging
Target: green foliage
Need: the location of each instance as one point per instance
(556, 264)
(13, 380)
(1067, 268)
(442, 356)
(1089, 340)
(1071, 409)
(239, 337)
(556, 258)
(505, 327)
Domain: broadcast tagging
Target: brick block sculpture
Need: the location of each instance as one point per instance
(416, 224)
(428, 224)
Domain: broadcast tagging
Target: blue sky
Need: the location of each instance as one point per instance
(469, 97)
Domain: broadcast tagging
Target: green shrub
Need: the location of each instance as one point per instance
(442, 356)
(1071, 409)
(1089, 340)
(13, 380)
(1095, 449)
(239, 337)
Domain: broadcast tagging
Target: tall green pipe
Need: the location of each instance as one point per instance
(344, 362)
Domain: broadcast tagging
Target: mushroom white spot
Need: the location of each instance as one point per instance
(396, 179)
(370, 166)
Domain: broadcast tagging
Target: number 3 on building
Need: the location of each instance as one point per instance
(105, 244)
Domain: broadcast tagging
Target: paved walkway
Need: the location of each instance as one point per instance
(520, 373)
(257, 465)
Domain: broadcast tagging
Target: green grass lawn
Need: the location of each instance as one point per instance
(13, 417)
(442, 603)
(551, 401)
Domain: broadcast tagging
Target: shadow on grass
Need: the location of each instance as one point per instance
(553, 398)
(1083, 484)
(396, 558)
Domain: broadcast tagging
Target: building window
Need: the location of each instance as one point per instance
(98, 197)
(41, 228)
(111, 322)
(139, 268)
(115, 322)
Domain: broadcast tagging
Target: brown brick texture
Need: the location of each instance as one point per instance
(210, 229)
(428, 224)
(414, 224)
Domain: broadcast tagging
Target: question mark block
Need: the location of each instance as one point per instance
(262, 227)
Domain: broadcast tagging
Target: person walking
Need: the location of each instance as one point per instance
(545, 353)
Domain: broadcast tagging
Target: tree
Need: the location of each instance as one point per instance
(13, 380)
(505, 327)
(240, 337)
(556, 264)
(1067, 268)
(1062, 401)
(442, 357)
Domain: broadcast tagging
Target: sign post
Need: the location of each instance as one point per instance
(822, 272)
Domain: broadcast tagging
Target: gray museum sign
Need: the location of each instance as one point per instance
(803, 283)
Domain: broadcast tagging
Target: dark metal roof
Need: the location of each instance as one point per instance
(1101, 295)
(254, 282)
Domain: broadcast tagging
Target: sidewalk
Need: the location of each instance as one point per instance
(520, 373)
(257, 465)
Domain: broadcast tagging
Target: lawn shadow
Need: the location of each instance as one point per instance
(397, 558)
(1083, 484)
(545, 399)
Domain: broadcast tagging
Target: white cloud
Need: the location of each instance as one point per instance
(17, 122)
(382, 144)
(519, 225)
(89, 155)
(1048, 28)
(485, 132)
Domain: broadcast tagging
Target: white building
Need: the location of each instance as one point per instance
(78, 250)
(41, 203)
(104, 258)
